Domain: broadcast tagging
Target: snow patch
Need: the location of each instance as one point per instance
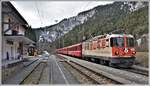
(133, 6)
(65, 26)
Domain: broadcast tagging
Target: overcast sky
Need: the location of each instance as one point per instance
(44, 13)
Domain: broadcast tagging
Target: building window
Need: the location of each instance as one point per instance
(9, 42)
(9, 21)
(15, 30)
(18, 28)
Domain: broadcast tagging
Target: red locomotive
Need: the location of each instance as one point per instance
(113, 49)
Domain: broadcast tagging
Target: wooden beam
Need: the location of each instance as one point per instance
(8, 22)
(11, 27)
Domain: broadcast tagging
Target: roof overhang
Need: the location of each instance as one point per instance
(23, 39)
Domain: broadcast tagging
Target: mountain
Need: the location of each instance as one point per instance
(130, 16)
(62, 27)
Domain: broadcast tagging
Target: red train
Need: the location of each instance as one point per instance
(116, 50)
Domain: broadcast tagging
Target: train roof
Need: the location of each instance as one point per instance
(120, 35)
(70, 46)
(74, 45)
(109, 36)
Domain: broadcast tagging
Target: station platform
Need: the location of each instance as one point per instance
(8, 63)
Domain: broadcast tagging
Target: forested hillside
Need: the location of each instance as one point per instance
(108, 18)
(30, 33)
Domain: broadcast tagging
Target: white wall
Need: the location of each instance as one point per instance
(7, 48)
(21, 30)
(4, 49)
(16, 45)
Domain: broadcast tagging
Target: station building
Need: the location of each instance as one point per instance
(14, 42)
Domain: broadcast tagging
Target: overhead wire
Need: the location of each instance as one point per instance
(41, 17)
(84, 8)
(36, 6)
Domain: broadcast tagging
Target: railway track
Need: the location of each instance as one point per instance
(141, 70)
(138, 71)
(113, 74)
(94, 76)
(26, 64)
(35, 76)
(24, 72)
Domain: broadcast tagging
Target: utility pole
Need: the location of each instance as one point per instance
(1, 32)
(62, 38)
(59, 39)
(58, 34)
(83, 38)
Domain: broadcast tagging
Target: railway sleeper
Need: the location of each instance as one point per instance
(96, 77)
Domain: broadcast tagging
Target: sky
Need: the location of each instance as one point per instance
(45, 13)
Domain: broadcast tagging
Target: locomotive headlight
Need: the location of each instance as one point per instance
(134, 52)
(116, 53)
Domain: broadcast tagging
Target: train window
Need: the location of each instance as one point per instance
(74, 48)
(95, 44)
(84, 45)
(111, 42)
(117, 42)
(87, 46)
(70, 48)
(107, 39)
(107, 42)
(103, 43)
(130, 42)
(77, 48)
(99, 44)
(90, 46)
(80, 47)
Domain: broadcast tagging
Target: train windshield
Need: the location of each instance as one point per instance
(119, 42)
(130, 42)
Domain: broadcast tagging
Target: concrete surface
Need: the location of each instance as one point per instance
(58, 74)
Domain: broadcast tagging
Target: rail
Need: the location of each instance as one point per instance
(120, 76)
